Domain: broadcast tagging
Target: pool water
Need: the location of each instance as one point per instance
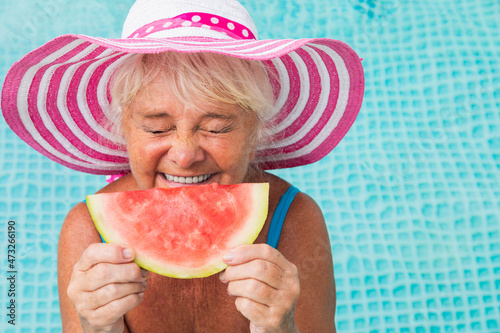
(411, 196)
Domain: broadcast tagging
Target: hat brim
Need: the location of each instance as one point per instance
(56, 98)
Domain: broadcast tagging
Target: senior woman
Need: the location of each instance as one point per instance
(189, 96)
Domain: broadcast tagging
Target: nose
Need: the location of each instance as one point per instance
(185, 151)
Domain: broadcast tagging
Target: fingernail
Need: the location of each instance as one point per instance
(145, 283)
(141, 296)
(128, 253)
(228, 256)
(222, 277)
(144, 273)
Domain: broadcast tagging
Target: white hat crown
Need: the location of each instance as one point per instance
(225, 17)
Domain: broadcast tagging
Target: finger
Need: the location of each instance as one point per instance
(144, 273)
(245, 253)
(111, 292)
(254, 290)
(109, 253)
(255, 312)
(258, 269)
(104, 273)
(112, 311)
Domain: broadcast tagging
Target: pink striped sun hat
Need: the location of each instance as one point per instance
(57, 98)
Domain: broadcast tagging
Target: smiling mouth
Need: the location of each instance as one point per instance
(187, 180)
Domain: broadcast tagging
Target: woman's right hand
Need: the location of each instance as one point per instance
(105, 285)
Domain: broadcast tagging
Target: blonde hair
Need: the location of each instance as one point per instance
(194, 78)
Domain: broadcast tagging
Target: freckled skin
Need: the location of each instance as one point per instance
(183, 142)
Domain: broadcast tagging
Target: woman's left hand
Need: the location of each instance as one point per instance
(266, 287)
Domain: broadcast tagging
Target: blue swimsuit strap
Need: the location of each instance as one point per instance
(279, 216)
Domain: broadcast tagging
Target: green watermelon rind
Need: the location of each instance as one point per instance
(253, 225)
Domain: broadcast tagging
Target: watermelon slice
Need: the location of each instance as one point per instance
(182, 232)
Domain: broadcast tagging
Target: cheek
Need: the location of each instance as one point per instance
(143, 154)
(233, 154)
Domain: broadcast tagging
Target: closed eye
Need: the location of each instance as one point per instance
(157, 132)
(226, 129)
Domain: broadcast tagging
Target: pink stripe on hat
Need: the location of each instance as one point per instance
(95, 111)
(294, 83)
(308, 109)
(273, 78)
(91, 91)
(55, 114)
(356, 92)
(319, 84)
(267, 49)
(31, 111)
(354, 103)
(34, 112)
(328, 109)
(10, 92)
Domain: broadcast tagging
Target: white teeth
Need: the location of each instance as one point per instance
(187, 180)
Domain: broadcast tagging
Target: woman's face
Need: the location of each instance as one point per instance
(170, 144)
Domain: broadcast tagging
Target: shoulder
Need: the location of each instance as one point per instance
(305, 225)
(302, 208)
(277, 185)
(305, 242)
(304, 221)
(77, 232)
(304, 234)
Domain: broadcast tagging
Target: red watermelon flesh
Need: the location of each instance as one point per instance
(182, 232)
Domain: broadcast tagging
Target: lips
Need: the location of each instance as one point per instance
(187, 180)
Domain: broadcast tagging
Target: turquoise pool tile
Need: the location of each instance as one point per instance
(411, 197)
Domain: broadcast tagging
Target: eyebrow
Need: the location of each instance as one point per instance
(155, 115)
(205, 115)
(218, 116)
